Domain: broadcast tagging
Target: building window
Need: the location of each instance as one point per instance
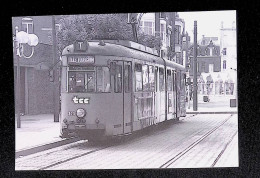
(163, 33)
(27, 25)
(162, 15)
(224, 51)
(211, 68)
(210, 51)
(203, 67)
(147, 27)
(224, 64)
(177, 34)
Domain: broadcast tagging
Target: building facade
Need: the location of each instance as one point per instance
(170, 28)
(228, 44)
(208, 58)
(35, 87)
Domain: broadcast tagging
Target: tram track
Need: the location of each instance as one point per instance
(223, 150)
(51, 158)
(132, 137)
(196, 142)
(72, 158)
(86, 148)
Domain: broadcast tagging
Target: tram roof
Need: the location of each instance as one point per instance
(122, 48)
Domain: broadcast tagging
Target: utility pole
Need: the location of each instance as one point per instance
(195, 97)
(134, 32)
(132, 19)
(56, 90)
(18, 84)
(187, 58)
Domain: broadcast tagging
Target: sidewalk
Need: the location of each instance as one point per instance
(36, 130)
(216, 104)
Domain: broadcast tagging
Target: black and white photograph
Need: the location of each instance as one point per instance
(155, 90)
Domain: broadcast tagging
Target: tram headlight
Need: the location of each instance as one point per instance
(80, 113)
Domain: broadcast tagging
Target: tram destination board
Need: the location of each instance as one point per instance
(76, 68)
(81, 60)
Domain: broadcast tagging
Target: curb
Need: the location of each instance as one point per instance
(220, 112)
(28, 151)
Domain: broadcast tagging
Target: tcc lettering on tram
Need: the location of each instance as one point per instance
(77, 100)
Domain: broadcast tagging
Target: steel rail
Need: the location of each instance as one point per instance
(192, 145)
(223, 150)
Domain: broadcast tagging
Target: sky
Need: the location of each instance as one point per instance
(208, 22)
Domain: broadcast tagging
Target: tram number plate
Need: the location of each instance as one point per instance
(71, 113)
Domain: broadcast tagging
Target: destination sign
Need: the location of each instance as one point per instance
(81, 68)
(81, 60)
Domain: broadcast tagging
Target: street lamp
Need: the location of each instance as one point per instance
(20, 39)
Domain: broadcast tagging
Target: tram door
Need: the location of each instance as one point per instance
(123, 92)
(174, 93)
(178, 92)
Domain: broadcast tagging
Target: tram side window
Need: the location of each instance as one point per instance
(169, 80)
(118, 79)
(127, 79)
(103, 79)
(183, 76)
(138, 77)
(151, 78)
(161, 79)
(174, 81)
(156, 80)
(145, 78)
(178, 81)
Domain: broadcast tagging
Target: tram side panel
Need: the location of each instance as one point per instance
(145, 96)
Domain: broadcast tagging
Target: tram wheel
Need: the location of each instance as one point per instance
(64, 134)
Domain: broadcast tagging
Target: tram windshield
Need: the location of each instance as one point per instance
(89, 81)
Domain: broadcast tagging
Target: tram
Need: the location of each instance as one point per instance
(116, 87)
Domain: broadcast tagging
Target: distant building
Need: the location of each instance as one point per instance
(206, 40)
(208, 57)
(170, 28)
(228, 45)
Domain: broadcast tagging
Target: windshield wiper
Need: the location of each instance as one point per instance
(89, 79)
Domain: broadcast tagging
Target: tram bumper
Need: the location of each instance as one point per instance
(89, 130)
(89, 127)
